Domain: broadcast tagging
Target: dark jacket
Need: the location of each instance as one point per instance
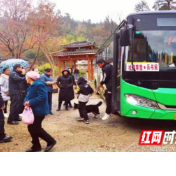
(76, 71)
(37, 96)
(1, 100)
(47, 78)
(15, 83)
(84, 88)
(23, 85)
(65, 83)
(2, 130)
(71, 74)
(107, 76)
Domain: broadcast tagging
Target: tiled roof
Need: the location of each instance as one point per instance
(71, 53)
(79, 44)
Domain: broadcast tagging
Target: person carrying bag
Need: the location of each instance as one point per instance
(28, 116)
(37, 100)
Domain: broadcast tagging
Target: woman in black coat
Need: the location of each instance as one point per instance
(74, 83)
(65, 83)
(71, 74)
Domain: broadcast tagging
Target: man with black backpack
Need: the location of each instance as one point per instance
(107, 80)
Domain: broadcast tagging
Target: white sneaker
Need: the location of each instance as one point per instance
(106, 116)
(86, 121)
(20, 115)
(6, 115)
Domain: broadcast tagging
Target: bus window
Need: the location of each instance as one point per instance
(138, 52)
(154, 46)
(110, 53)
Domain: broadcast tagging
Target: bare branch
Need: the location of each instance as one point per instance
(142, 6)
(164, 5)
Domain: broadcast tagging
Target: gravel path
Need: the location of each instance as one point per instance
(117, 134)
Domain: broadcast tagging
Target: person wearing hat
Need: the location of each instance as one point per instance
(107, 80)
(65, 83)
(16, 80)
(85, 91)
(74, 85)
(37, 99)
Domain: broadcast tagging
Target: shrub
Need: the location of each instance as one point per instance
(41, 69)
(82, 73)
(30, 54)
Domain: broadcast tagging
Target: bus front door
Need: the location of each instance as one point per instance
(116, 74)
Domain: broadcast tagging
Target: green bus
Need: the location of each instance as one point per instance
(143, 53)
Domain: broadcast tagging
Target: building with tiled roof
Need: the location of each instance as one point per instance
(77, 51)
(81, 44)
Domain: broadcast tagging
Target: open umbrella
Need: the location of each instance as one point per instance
(11, 62)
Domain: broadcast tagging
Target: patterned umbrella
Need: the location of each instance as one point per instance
(11, 62)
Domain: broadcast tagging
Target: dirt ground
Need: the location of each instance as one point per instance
(118, 134)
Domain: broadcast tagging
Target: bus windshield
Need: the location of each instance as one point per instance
(154, 46)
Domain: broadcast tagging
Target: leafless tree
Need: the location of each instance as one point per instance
(15, 9)
(142, 6)
(14, 27)
(165, 5)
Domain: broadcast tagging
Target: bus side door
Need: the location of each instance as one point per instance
(116, 74)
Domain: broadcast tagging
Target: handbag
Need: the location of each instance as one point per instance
(28, 116)
(55, 88)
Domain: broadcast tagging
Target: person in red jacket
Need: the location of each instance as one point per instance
(3, 137)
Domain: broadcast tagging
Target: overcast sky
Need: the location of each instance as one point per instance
(97, 10)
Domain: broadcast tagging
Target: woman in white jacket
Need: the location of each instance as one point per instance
(4, 83)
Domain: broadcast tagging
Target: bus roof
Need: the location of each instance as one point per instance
(133, 14)
(153, 12)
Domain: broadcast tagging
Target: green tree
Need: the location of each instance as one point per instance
(30, 54)
(70, 38)
(41, 68)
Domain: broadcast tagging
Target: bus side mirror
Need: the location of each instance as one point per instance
(126, 36)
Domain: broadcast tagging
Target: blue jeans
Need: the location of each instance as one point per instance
(76, 76)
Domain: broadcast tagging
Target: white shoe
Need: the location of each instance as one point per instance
(86, 121)
(20, 115)
(6, 115)
(106, 116)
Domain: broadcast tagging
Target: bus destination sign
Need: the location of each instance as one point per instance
(138, 66)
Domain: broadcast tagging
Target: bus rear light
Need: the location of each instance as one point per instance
(141, 101)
